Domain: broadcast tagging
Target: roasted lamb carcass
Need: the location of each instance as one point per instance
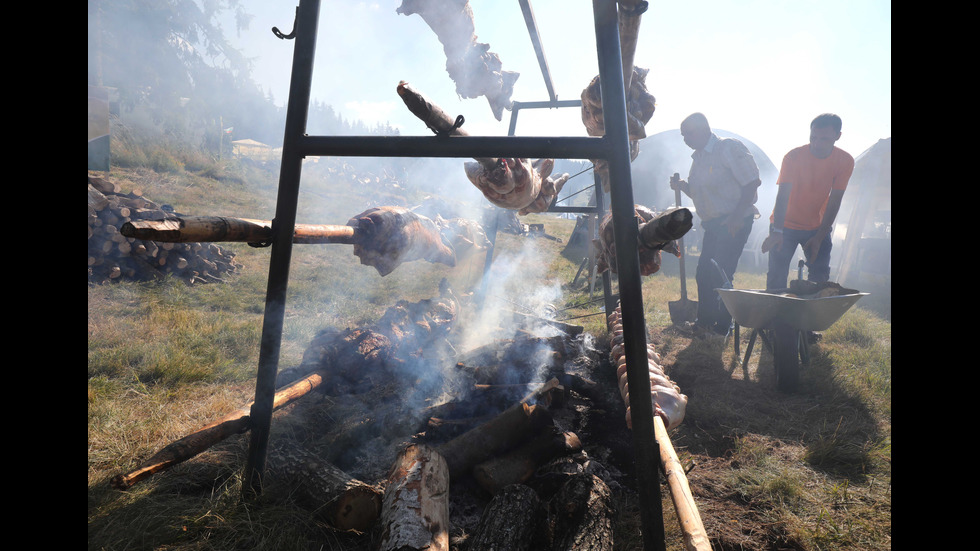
(466, 236)
(640, 106)
(388, 236)
(668, 402)
(471, 65)
(509, 183)
(605, 245)
(550, 188)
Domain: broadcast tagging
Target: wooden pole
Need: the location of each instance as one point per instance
(192, 229)
(695, 537)
(236, 422)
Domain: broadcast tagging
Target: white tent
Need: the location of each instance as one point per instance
(865, 218)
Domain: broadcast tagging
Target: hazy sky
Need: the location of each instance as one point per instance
(759, 68)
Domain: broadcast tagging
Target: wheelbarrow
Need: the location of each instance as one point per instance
(787, 319)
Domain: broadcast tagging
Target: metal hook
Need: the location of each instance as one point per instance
(444, 133)
(278, 33)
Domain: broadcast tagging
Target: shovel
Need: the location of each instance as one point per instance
(682, 310)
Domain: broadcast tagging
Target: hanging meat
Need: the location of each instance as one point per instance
(464, 235)
(473, 67)
(550, 188)
(388, 236)
(648, 249)
(516, 184)
(668, 402)
(640, 105)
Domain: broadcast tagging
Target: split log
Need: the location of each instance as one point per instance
(513, 520)
(345, 503)
(518, 465)
(695, 536)
(581, 514)
(502, 433)
(186, 229)
(415, 509)
(237, 422)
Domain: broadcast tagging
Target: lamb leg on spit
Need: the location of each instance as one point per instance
(657, 232)
(509, 183)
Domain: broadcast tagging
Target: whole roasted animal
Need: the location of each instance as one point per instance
(649, 256)
(550, 188)
(668, 402)
(464, 235)
(515, 184)
(355, 360)
(640, 105)
(389, 236)
(473, 67)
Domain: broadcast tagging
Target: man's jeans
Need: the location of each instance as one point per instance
(725, 249)
(818, 269)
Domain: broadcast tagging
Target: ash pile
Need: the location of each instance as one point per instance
(416, 439)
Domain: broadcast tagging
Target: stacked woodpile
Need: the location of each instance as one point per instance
(114, 257)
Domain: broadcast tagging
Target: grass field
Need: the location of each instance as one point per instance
(165, 359)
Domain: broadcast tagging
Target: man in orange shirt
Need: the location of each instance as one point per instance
(811, 183)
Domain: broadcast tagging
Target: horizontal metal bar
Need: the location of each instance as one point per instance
(546, 104)
(455, 146)
(583, 210)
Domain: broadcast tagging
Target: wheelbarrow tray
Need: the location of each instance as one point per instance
(761, 309)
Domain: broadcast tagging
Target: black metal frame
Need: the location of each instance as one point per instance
(614, 147)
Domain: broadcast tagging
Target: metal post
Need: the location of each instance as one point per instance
(283, 226)
(645, 447)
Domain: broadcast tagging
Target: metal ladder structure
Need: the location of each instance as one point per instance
(613, 147)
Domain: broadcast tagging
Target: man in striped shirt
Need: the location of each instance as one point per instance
(722, 184)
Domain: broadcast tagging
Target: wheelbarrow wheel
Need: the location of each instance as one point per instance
(786, 358)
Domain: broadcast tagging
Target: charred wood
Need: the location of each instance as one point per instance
(504, 432)
(513, 520)
(581, 515)
(518, 465)
(335, 497)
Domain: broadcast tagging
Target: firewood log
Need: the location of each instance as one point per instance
(415, 509)
(503, 432)
(519, 464)
(581, 513)
(335, 497)
(513, 520)
(235, 422)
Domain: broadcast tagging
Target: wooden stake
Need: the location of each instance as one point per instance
(695, 537)
(236, 422)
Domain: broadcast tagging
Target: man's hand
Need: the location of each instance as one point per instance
(676, 183)
(734, 223)
(812, 246)
(772, 242)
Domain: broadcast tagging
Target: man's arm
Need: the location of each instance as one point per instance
(775, 238)
(745, 200)
(812, 246)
